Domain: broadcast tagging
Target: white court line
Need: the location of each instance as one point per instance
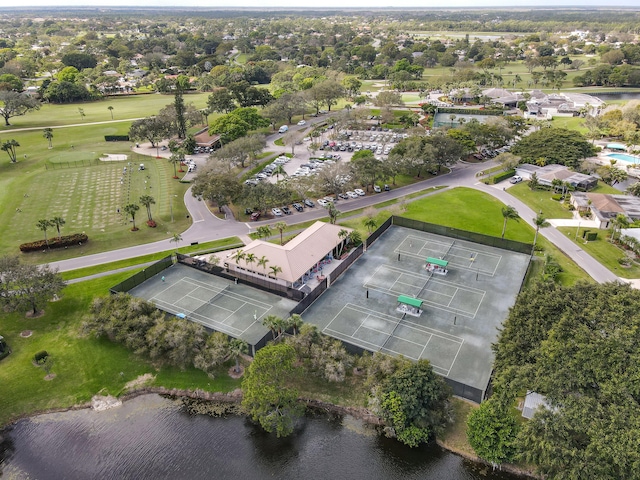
(252, 301)
(171, 308)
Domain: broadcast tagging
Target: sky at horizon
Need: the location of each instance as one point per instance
(325, 4)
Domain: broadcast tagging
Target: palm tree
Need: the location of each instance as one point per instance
(176, 159)
(275, 270)
(617, 224)
(342, 235)
(370, 223)
(238, 255)
(280, 226)
(295, 322)
(279, 170)
(249, 259)
(132, 209)
(272, 323)
(82, 114)
(333, 213)
(110, 108)
(147, 201)
(262, 262)
(43, 225)
(237, 348)
(264, 231)
(48, 134)
(57, 222)
(508, 212)
(540, 222)
(9, 146)
(176, 238)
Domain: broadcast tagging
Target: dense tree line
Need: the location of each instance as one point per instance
(579, 347)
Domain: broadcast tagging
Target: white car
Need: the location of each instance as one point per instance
(302, 122)
(277, 212)
(516, 179)
(360, 192)
(352, 194)
(322, 202)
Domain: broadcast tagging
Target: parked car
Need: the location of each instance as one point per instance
(360, 192)
(516, 179)
(377, 189)
(302, 122)
(298, 207)
(248, 211)
(387, 188)
(286, 210)
(352, 194)
(309, 203)
(343, 196)
(322, 202)
(255, 216)
(277, 212)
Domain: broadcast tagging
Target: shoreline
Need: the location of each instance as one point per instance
(235, 397)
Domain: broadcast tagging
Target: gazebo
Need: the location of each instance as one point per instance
(436, 265)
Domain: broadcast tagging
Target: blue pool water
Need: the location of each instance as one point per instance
(624, 157)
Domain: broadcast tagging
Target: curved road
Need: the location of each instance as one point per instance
(207, 227)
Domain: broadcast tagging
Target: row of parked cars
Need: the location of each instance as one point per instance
(325, 201)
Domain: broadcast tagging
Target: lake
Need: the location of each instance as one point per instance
(154, 437)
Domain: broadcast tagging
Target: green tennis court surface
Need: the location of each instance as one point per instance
(461, 311)
(216, 303)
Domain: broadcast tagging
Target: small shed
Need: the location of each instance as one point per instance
(533, 401)
(436, 265)
(409, 305)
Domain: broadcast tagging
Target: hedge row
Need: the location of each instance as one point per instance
(500, 177)
(116, 138)
(471, 111)
(65, 241)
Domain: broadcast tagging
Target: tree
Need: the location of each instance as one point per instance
(634, 189)
(280, 226)
(370, 223)
(414, 401)
(44, 225)
(221, 101)
(508, 213)
(110, 108)
(147, 201)
(57, 222)
(343, 235)
(533, 181)
(218, 188)
(9, 146)
(131, 209)
(540, 222)
(176, 158)
(266, 396)
(215, 351)
(264, 231)
(492, 432)
(262, 262)
(249, 260)
(238, 255)
(557, 145)
(48, 134)
(15, 104)
(295, 322)
(27, 287)
(237, 348)
(152, 129)
(176, 238)
(81, 113)
(275, 270)
(333, 213)
(508, 161)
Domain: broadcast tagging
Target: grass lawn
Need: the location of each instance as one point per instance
(202, 248)
(125, 107)
(83, 366)
(540, 200)
(48, 183)
(603, 251)
(455, 434)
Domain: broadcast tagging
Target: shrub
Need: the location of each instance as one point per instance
(64, 241)
(40, 357)
(116, 138)
(502, 176)
(151, 223)
(557, 197)
(592, 236)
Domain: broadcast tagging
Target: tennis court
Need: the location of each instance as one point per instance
(216, 303)
(461, 312)
(396, 336)
(458, 254)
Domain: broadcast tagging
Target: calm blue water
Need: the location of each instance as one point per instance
(624, 157)
(151, 437)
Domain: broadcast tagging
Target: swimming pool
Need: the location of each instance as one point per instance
(624, 157)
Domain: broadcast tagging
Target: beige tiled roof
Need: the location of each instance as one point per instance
(604, 202)
(297, 256)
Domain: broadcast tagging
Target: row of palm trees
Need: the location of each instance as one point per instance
(44, 225)
(510, 213)
(279, 326)
(132, 208)
(251, 258)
